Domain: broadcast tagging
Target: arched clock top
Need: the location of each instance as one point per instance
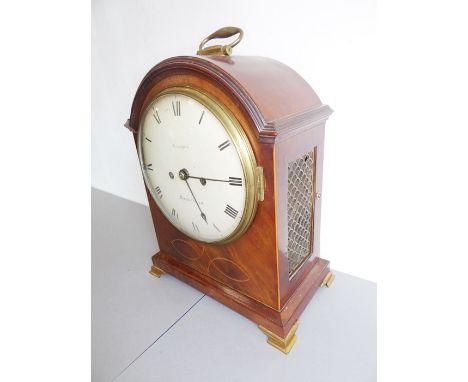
(277, 99)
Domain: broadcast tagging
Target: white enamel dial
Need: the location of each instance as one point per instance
(192, 167)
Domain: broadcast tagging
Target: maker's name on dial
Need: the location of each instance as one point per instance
(182, 197)
(180, 146)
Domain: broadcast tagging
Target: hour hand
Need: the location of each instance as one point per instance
(204, 217)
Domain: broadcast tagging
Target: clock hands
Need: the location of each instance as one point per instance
(203, 180)
(184, 175)
(233, 181)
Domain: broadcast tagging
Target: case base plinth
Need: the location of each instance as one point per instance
(279, 325)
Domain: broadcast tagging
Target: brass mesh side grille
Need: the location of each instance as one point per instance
(301, 175)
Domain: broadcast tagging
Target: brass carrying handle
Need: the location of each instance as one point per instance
(220, 50)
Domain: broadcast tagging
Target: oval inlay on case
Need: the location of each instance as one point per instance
(227, 268)
(186, 249)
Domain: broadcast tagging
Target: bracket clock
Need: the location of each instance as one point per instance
(231, 151)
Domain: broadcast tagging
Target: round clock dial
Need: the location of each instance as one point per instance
(197, 164)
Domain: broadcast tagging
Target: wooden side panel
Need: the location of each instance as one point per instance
(286, 151)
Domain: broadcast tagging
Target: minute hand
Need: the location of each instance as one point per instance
(232, 180)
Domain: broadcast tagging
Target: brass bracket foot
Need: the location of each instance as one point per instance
(328, 280)
(155, 271)
(284, 344)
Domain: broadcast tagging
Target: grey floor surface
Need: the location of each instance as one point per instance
(148, 329)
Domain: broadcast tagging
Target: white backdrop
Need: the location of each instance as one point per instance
(330, 43)
(396, 185)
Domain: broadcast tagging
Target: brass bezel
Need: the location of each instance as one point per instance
(240, 142)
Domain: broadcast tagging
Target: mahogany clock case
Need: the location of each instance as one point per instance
(284, 122)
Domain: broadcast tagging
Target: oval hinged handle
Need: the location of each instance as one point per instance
(220, 50)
